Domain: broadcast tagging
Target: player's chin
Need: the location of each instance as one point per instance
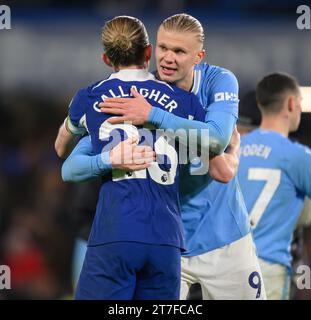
(167, 78)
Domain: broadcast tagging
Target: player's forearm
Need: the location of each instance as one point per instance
(223, 168)
(83, 165)
(219, 132)
(64, 142)
(79, 167)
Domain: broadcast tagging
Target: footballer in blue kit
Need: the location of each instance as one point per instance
(136, 237)
(142, 206)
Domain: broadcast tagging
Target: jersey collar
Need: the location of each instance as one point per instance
(132, 75)
(196, 81)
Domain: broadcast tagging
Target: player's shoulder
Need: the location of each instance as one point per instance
(97, 86)
(172, 90)
(297, 162)
(168, 86)
(213, 72)
(293, 154)
(268, 138)
(299, 151)
(163, 86)
(215, 81)
(251, 137)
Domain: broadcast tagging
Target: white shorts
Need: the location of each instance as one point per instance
(276, 279)
(228, 273)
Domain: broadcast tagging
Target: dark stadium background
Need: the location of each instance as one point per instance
(52, 50)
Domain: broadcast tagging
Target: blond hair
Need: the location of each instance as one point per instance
(183, 22)
(124, 39)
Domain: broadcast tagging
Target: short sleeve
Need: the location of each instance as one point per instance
(77, 111)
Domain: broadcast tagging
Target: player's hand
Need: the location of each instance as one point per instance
(135, 110)
(128, 156)
(224, 167)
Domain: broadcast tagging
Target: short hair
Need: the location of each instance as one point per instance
(124, 39)
(272, 90)
(183, 22)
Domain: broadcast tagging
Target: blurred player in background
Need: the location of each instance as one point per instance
(220, 252)
(249, 120)
(275, 177)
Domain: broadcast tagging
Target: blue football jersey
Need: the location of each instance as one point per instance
(213, 213)
(275, 176)
(141, 206)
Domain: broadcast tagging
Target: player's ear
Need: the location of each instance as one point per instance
(106, 60)
(200, 56)
(148, 53)
(291, 104)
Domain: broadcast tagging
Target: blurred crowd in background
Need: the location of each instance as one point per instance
(52, 50)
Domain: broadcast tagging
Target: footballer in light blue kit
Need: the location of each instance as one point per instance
(206, 229)
(220, 254)
(136, 237)
(220, 251)
(275, 177)
(214, 214)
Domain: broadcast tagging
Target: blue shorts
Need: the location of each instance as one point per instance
(130, 271)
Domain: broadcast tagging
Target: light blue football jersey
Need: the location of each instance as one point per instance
(275, 176)
(213, 213)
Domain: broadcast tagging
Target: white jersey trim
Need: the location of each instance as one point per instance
(132, 75)
(196, 81)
